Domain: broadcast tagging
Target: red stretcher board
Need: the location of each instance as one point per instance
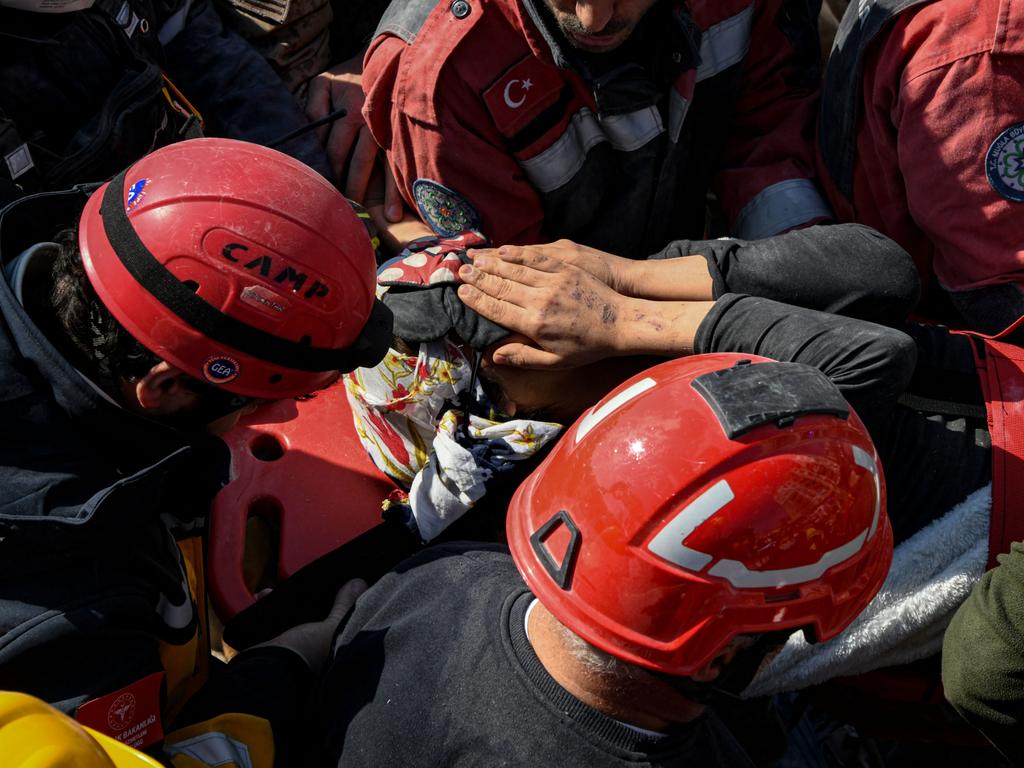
(299, 462)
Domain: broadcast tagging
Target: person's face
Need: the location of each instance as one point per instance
(553, 395)
(168, 394)
(229, 421)
(598, 26)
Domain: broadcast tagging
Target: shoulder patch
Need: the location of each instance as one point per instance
(1004, 163)
(444, 210)
(521, 93)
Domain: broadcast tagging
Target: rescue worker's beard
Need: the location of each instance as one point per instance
(570, 26)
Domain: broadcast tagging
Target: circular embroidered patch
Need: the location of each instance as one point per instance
(444, 210)
(1004, 163)
(220, 370)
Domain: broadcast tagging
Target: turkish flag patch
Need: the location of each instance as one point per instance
(519, 95)
(130, 715)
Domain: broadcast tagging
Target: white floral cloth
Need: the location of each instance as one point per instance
(408, 415)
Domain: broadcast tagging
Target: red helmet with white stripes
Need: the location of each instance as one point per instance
(709, 497)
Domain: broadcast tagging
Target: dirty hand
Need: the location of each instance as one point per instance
(617, 273)
(572, 315)
(348, 141)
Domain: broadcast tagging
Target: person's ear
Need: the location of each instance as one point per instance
(709, 671)
(162, 390)
(714, 668)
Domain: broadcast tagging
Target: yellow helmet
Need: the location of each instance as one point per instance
(35, 735)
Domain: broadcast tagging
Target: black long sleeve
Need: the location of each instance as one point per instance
(871, 364)
(932, 460)
(847, 269)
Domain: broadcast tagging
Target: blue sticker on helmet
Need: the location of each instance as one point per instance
(444, 210)
(1004, 163)
(136, 192)
(220, 370)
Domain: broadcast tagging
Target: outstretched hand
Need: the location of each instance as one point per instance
(617, 273)
(572, 314)
(350, 146)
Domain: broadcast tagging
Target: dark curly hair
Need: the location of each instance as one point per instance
(99, 345)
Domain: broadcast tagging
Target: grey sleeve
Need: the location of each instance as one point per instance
(846, 269)
(871, 364)
(234, 88)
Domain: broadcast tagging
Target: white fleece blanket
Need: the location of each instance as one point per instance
(931, 575)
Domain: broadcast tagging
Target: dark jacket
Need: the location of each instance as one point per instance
(83, 94)
(92, 500)
(434, 668)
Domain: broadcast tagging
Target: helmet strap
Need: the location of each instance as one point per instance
(735, 676)
(465, 401)
(468, 397)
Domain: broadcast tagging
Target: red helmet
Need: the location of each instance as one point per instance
(709, 497)
(237, 264)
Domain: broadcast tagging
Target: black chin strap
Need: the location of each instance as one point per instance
(735, 676)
